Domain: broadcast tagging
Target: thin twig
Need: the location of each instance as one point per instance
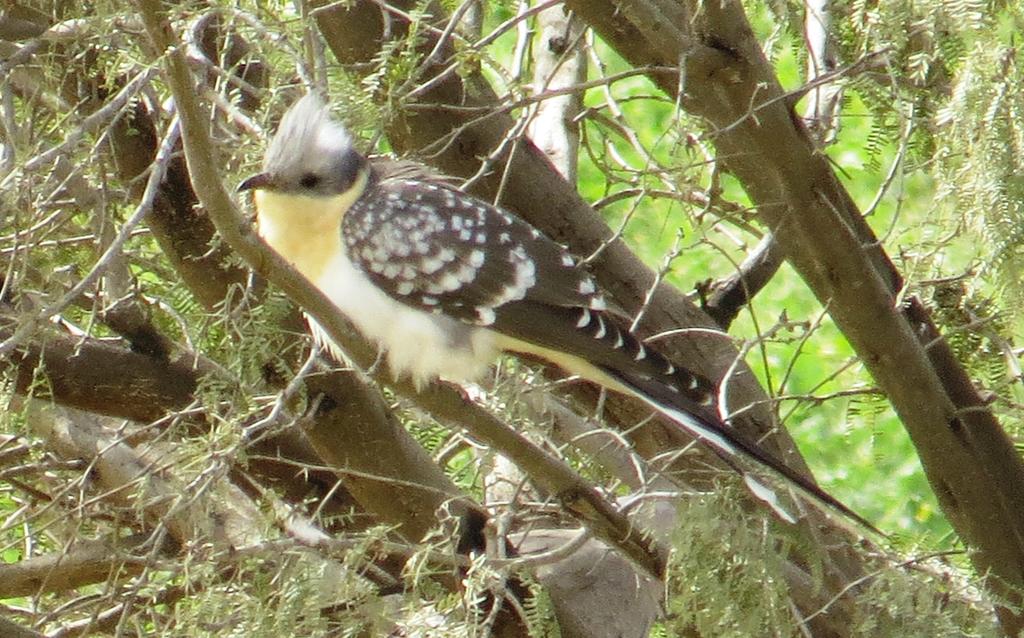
(156, 177)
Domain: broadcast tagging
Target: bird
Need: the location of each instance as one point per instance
(443, 282)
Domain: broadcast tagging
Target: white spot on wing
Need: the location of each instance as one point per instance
(584, 318)
(526, 273)
(466, 273)
(430, 265)
(450, 282)
(485, 316)
(525, 278)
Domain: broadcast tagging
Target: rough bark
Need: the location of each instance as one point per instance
(104, 378)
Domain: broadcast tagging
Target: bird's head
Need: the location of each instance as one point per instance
(311, 155)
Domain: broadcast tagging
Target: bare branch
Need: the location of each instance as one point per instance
(104, 378)
(558, 63)
(728, 296)
(83, 563)
(122, 470)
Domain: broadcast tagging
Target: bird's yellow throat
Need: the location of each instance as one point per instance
(305, 230)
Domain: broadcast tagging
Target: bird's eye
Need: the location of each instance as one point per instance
(309, 180)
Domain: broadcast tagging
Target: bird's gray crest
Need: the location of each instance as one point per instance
(311, 151)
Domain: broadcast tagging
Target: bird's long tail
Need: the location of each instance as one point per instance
(598, 347)
(730, 446)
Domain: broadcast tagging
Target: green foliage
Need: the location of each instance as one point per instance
(905, 608)
(265, 598)
(918, 48)
(540, 614)
(941, 108)
(727, 579)
(980, 163)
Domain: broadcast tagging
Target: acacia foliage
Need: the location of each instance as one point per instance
(210, 514)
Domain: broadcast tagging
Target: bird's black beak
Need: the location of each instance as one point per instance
(256, 182)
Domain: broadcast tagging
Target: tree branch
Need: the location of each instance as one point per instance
(728, 296)
(968, 459)
(83, 563)
(447, 404)
(123, 470)
(101, 377)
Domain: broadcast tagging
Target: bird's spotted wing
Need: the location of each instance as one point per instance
(440, 250)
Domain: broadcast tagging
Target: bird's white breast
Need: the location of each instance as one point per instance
(423, 345)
